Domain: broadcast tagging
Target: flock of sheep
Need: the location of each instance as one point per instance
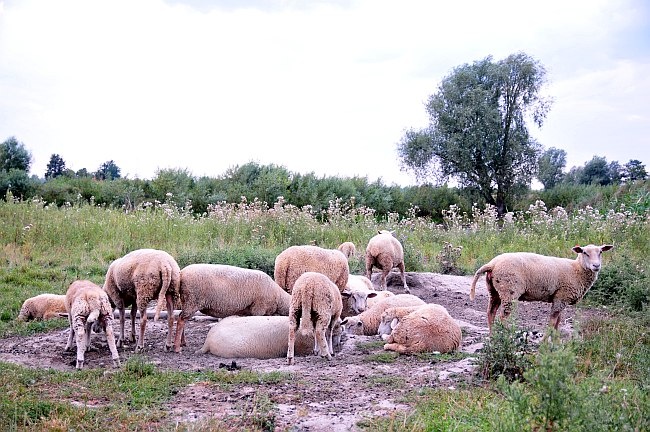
(308, 304)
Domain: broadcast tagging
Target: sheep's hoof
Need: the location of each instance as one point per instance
(177, 350)
(80, 364)
(138, 349)
(289, 361)
(116, 363)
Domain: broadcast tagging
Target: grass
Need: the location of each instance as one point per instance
(45, 248)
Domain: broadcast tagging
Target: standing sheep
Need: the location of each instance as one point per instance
(532, 277)
(42, 306)
(261, 337)
(222, 290)
(315, 304)
(367, 323)
(296, 260)
(136, 279)
(348, 249)
(416, 329)
(385, 252)
(87, 304)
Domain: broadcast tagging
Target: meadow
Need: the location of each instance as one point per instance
(597, 380)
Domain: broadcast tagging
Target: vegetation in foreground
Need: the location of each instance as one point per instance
(599, 380)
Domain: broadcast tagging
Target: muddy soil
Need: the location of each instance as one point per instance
(321, 395)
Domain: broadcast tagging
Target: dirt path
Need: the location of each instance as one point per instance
(321, 395)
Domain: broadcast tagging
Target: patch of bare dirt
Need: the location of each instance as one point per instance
(321, 395)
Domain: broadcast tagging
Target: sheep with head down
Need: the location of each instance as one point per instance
(385, 252)
(348, 249)
(367, 322)
(42, 307)
(533, 277)
(296, 260)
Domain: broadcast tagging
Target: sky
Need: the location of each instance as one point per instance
(327, 87)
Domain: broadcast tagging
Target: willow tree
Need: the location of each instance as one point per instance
(478, 133)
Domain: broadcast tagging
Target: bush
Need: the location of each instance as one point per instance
(622, 283)
(506, 352)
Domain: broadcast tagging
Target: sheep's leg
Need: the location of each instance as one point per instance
(293, 325)
(68, 345)
(507, 310)
(170, 321)
(369, 268)
(134, 310)
(80, 324)
(120, 341)
(384, 275)
(400, 266)
(320, 330)
(110, 338)
(328, 335)
(493, 306)
(179, 338)
(142, 307)
(88, 333)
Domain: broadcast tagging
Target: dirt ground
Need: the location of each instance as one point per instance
(321, 395)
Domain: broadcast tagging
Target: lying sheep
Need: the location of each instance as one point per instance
(367, 323)
(356, 295)
(416, 329)
(222, 290)
(315, 304)
(348, 249)
(385, 252)
(87, 304)
(261, 337)
(42, 307)
(296, 260)
(532, 277)
(379, 297)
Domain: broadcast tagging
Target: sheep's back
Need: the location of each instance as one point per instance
(296, 260)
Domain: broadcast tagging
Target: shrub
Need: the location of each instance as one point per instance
(506, 352)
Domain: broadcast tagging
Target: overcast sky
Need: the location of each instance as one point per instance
(315, 86)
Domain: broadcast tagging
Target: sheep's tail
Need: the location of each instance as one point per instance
(166, 279)
(305, 318)
(92, 317)
(486, 268)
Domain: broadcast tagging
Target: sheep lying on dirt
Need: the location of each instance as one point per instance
(42, 306)
(222, 290)
(385, 252)
(87, 304)
(136, 279)
(315, 304)
(356, 294)
(372, 301)
(348, 249)
(261, 337)
(296, 260)
(367, 323)
(532, 277)
(416, 329)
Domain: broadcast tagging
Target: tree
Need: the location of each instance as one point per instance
(596, 171)
(550, 166)
(477, 130)
(615, 172)
(634, 170)
(108, 171)
(14, 155)
(55, 167)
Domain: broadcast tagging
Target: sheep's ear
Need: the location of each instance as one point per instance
(379, 232)
(393, 323)
(344, 322)
(62, 314)
(372, 294)
(345, 293)
(577, 249)
(605, 248)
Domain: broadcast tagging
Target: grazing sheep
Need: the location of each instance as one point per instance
(316, 304)
(86, 305)
(367, 323)
(532, 277)
(348, 249)
(356, 295)
(136, 279)
(416, 329)
(385, 252)
(42, 307)
(379, 297)
(261, 337)
(222, 290)
(296, 260)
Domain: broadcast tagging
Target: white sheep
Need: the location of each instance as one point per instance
(532, 277)
(416, 329)
(261, 337)
(316, 305)
(42, 307)
(367, 323)
(385, 252)
(356, 295)
(348, 249)
(136, 279)
(296, 260)
(86, 305)
(379, 297)
(221, 290)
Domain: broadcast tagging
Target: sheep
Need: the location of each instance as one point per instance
(136, 279)
(42, 307)
(316, 304)
(221, 290)
(261, 337)
(367, 323)
(415, 329)
(532, 277)
(348, 249)
(385, 252)
(372, 301)
(356, 295)
(86, 305)
(296, 260)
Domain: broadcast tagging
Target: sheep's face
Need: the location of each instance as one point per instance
(353, 325)
(358, 300)
(590, 256)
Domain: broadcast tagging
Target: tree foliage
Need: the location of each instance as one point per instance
(634, 170)
(14, 155)
(551, 163)
(477, 130)
(108, 171)
(55, 167)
